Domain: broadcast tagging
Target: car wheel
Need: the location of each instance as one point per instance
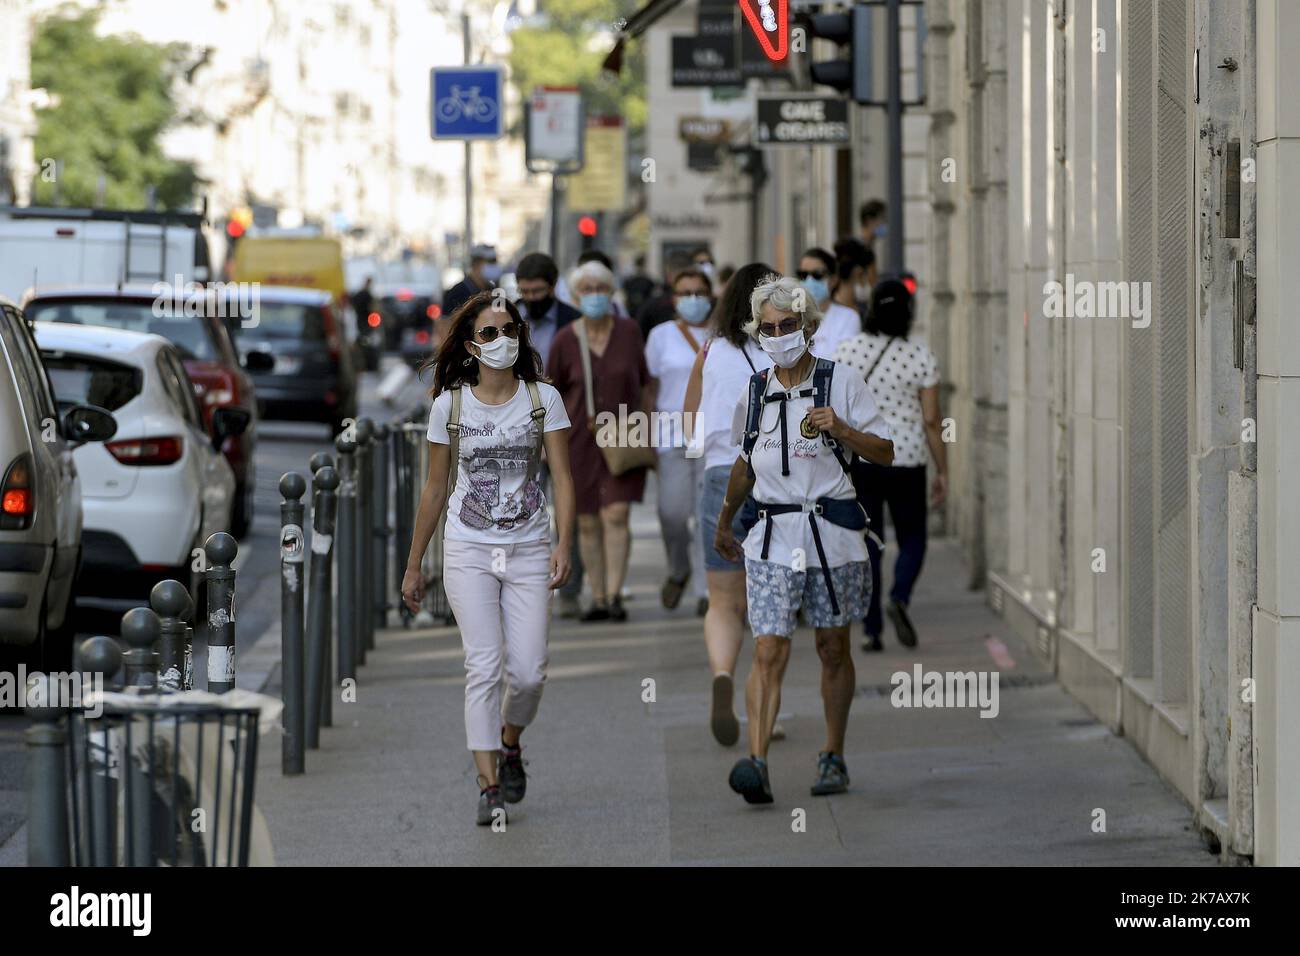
(241, 519)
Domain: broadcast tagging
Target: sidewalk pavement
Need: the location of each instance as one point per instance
(615, 780)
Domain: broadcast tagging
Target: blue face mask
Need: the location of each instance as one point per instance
(817, 288)
(694, 308)
(594, 305)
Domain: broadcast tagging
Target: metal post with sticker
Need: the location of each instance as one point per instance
(319, 669)
(293, 551)
(221, 550)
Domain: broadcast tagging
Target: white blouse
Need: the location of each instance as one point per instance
(896, 383)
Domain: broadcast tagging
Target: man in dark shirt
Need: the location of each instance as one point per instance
(536, 277)
(482, 276)
(362, 302)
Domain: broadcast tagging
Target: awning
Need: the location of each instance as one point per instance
(642, 20)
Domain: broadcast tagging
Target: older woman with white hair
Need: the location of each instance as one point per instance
(800, 426)
(598, 364)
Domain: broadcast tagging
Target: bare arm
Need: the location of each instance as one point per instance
(432, 500)
(934, 438)
(557, 457)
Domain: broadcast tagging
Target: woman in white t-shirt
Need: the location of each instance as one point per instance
(719, 377)
(904, 379)
(498, 563)
(670, 352)
(800, 426)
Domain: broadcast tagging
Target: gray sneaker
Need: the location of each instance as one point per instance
(511, 774)
(832, 775)
(489, 802)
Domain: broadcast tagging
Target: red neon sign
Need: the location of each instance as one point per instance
(770, 21)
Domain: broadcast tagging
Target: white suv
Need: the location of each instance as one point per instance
(157, 490)
(40, 496)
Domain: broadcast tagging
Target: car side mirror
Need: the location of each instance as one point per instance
(227, 423)
(86, 423)
(259, 361)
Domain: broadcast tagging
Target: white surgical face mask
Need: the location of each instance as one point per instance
(785, 350)
(501, 352)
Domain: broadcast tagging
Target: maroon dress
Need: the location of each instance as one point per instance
(619, 375)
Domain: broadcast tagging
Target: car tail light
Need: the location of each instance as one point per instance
(146, 451)
(17, 497)
(214, 385)
(331, 332)
(433, 311)
(373, 320)
(421, 337)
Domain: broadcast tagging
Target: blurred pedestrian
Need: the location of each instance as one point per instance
(817, 276)
(670, 353)
(718, 379)
(872, 221)
(535, 278)
(363, 300)
(483, 274)
(619, 384)
(638, 288)
(843, 317)
(904, 379)
(491, 418)
(702, 259)
(801, 426)
(661, 308)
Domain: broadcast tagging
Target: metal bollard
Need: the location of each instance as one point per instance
(379, 515)
(172, 603)
(100, 655)
(47, 779)
(221, 549)
(365, 584)
(318, 461)
(402, 519)
(140, 631)
(292, 553)
(344, 548)
(319, 702)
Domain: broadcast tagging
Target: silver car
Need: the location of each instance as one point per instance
(40, 496)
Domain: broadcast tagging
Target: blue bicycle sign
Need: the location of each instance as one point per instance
(466, 102)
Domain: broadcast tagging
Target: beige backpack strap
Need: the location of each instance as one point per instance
(453, 445)
(539, 410)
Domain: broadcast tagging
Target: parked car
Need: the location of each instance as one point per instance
(40, 497)
(204, 343)
(157, 490)
(312, 374)
(410, 313)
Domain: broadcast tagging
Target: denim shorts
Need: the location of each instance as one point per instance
(715, 489)
(776, 592)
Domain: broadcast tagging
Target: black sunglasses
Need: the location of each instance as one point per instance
(802, 274)
(489, 333)
(787, 327)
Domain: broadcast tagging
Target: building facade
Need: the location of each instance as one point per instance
(17, 120)
(1108, 273)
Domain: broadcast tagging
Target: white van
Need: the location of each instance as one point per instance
(41, 247)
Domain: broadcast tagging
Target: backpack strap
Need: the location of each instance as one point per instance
(753, 416)
(538, 413)
(822, 373)
(453, 434)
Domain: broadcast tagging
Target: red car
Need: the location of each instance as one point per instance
(193, 324)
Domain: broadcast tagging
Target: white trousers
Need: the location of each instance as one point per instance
(681, 481)
(501, 600)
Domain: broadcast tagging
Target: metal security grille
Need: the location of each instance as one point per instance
(1138, 408)
(1172, 323)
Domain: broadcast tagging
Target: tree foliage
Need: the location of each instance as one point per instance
(114, 103)
(566, 46)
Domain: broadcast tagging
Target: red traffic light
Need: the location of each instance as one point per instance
(910, 283)
(433, 311)
(587, 226)
(373, 320)
(234, 229)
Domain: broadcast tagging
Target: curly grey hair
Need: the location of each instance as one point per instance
(785, 294)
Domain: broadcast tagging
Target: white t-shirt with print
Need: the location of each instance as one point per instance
(908, 367)
(498, 498)
(838, 323)
(814, 470)
(726, 373)
(670, 358)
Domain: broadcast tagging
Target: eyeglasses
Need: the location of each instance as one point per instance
(813, 274)
(489, 333)
(787, 327)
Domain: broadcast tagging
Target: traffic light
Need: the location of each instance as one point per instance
(851, 28)
(587, 228)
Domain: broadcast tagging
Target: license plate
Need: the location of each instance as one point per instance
(288, 364)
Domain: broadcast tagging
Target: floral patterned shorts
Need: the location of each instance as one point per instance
(776, 592)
